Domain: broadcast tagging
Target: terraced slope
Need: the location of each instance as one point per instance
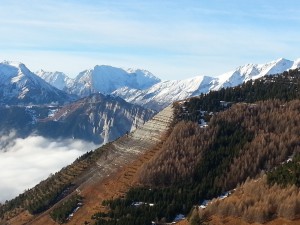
(127, 148)
(113, 173)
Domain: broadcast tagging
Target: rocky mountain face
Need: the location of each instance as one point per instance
(96, 118)
(20, 86)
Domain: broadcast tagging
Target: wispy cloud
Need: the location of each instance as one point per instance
(152, 34)
(25, 162)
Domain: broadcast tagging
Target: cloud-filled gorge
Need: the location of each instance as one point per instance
(25, 162)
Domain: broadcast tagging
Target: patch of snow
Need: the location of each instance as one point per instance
(178, 218)
(52, 112)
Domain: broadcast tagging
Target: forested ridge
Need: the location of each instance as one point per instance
(251, 129)
(256, 131)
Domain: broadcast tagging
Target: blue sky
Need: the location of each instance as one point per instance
(172, 39)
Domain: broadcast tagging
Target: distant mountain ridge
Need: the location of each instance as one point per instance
(56, 79)
(20, 86)
(164, 93)
(143, 88)
(101, 78)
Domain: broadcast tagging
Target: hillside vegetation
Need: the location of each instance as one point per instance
(217, 141)
(257, 201)
(258, 132)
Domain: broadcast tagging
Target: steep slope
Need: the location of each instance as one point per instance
(197, 163)
(106, 79)
(57, 79)
(96, 118)
(105, 173)
(20, 86)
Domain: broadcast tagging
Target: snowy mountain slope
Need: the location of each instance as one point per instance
(57, 79)
(143, 78)
(164, 93)
(20, 86)
(106, 79)
(253, 71)
(296, 64)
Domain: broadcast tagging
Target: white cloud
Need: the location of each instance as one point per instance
(25, 162)
(171, 39)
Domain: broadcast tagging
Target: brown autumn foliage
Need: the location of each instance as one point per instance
(275, 128)
(256, 201)
(180, 153)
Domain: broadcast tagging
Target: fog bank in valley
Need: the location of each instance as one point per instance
(25, 162)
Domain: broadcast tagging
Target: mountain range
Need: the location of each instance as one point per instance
(53, 105)
(103, 79)
(143, 88)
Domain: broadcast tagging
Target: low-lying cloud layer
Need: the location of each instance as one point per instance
(25, 162)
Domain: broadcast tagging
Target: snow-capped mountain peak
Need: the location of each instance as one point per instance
(296, 64)
(56, 79)
(20, 86)
(106, 79)
(13, 63)
(252, 71)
